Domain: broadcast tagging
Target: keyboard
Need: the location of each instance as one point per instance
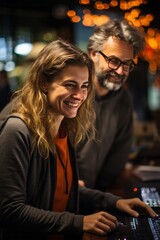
(155, 227)
(142, 228)
(150, 196)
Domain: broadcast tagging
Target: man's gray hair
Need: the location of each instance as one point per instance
(119, 29)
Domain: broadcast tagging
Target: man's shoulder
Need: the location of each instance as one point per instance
(125, 95)
(122, 94)
(124, 91)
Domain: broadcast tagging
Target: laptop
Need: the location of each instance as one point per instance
(150, 194)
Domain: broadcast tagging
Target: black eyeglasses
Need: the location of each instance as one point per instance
(114, 63)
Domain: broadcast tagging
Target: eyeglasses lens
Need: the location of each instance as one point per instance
(114, 63)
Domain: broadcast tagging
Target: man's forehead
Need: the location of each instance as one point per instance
(118, 48)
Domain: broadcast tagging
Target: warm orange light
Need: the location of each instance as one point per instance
(114, 3)
(123, 5)
(99, 5)
(99, 20)
(84, 2)
(106, 6)
(76, 19)
(71, 13)
(150, 17)
(137, 23)
(153, 43)
(88, 20)
(151, 32)
(91, 20)
(135, 13)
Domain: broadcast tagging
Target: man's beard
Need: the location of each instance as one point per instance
(105, 82)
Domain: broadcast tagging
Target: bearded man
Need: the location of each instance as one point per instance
(113, 47)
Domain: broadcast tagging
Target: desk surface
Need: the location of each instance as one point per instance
(88, 236)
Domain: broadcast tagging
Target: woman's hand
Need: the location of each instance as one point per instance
(81, 183)
(99, 223)
(132, 205)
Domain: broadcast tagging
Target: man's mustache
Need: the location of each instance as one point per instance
(114, 75)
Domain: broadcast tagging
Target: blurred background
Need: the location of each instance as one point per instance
(27, 26)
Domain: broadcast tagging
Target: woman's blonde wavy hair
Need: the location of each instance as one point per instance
(33, 103)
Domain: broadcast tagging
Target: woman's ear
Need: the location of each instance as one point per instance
(43, 85)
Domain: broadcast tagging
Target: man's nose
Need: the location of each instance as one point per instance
(120, 70)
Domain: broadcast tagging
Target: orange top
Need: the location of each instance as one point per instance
(64, 175)
(64, 179)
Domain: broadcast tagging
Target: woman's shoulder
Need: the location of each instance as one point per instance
(14, 123)
(14, 132)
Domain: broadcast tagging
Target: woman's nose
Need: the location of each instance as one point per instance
(78, 93)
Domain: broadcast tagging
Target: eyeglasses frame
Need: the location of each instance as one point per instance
(121, 62)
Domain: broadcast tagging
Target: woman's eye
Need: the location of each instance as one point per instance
(70, 85)
(85, 86)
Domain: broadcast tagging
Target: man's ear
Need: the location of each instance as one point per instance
(93, 55)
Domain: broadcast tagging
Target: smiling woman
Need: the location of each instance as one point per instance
(58, 63)
(52, 112)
